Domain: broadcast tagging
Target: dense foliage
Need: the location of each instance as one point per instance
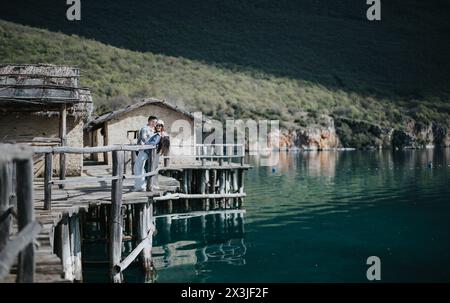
(260, 59)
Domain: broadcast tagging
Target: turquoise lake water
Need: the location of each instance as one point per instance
(317, 217)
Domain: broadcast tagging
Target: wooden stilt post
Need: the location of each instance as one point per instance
(125, 162)
(166, 162)
(186, 187)
(47, 178)
(133, 160)
(26, 265)
(5, 195)
(152, 164)
(241, 187)
(227, 187)
(115, 218)
(169, 206)
(105, 141)
(66, 252)
(203, 187)
(62, 136)
(206, 190)
(220, 153)
(213, 178)
(222, 186)
(235, 188)
(242, 154)
(204, 153)
(150, 229)
(101, 222)
(143, 225)
(75, 244)
(130, 219)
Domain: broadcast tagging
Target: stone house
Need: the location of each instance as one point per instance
(121, 127)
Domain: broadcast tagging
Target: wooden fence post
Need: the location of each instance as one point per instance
(166, 161)
(25, 212)
(62, 135)
(75, 247)
(203, 188)
(220, 153)
(203, 153)
(47, 179)
(115, 240)
(143, 225)
(240, 186)
(222, 184)
(212, 190)
(125, 162)
(152, 165)
(66, 252)
(5, 206)
(133, 160)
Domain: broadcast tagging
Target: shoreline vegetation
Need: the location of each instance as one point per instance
(358, 109)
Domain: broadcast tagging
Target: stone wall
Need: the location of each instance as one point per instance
(121, 129)
(25, 126)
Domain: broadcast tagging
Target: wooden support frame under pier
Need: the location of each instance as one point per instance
(122, 215)
(28, 229)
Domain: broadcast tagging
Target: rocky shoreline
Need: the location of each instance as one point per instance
(343, 133)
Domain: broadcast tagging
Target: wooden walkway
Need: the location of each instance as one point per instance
(47, 233)
(73, 199)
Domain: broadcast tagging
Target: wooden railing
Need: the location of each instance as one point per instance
(16, 190)
(145, 221)
(118, 165)
(212, 152)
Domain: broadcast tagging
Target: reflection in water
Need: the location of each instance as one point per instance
(317, 216)
(184, 247)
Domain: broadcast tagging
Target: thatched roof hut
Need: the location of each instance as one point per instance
(44, 104)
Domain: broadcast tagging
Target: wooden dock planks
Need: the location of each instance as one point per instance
(73, 200)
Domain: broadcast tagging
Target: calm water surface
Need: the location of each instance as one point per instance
(316, 217)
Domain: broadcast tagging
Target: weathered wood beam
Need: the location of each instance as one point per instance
(75, 246)
(133, 255)
(199, 196)
(144, 230)
(47, 181)
(25, 215)
(66, 252)
(115, 242)
(89, 150)
(13, 247)
(203, 188)
(152, 165)
(5, 207)
(105, 140)
(133, 160)
(63, 137)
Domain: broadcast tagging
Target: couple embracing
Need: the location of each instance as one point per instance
(151, 134)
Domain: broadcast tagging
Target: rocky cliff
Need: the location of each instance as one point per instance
(332, 133)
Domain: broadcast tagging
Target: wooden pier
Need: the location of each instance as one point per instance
(42, 221)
